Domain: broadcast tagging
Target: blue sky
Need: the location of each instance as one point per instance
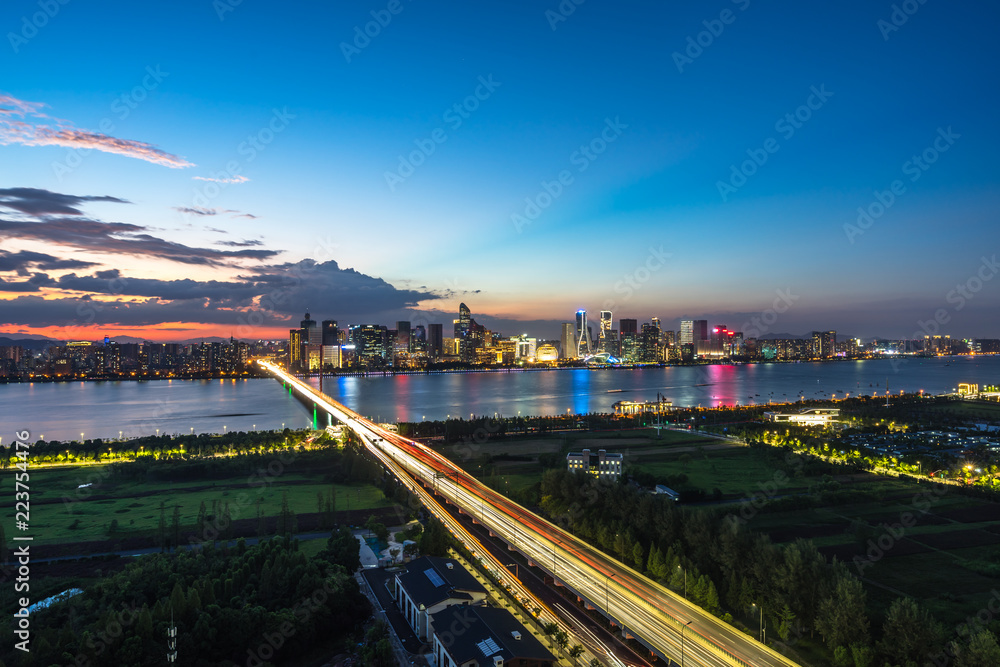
(310, 122)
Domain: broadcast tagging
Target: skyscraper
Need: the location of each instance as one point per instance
(604, 342)
(582, 335)
(435, 341)
(402, 342)
(824, 344)
(567, 344)
(631, 351)
(470, 335)
(329, 332)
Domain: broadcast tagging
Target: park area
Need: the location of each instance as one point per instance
(87, 504)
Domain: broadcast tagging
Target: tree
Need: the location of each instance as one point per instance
(841, 618)
(910, 633)
(639, 557)
(3, 545)
(162, 527)
(575, 652)
(562, 639)
(550, 630)
(982, 651)
(175, 527)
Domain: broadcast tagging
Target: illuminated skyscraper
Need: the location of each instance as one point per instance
(604, 343)
(470, 335)
(567, 342)
(582, 335)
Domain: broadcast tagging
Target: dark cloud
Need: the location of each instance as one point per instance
(120, 238)
(34, 201)
(56, 218)
(216, 293)
(19, 261)
(33, 284)
(273, 296)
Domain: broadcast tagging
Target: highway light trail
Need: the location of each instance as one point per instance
(644, 609)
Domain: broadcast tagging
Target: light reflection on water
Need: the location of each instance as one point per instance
(61, 411)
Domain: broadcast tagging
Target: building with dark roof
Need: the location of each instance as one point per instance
(485, 637)
(431, 584)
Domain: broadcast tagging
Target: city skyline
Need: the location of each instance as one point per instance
(829, 166)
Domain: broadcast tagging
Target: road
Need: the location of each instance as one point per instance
(668, 624)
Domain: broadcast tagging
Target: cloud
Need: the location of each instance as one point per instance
(226, 181)
(33, 284)
(20, 261)
(198, 210)
(277, 294)
(34, 201)
(246, 243)
(75, 231)
(19, 125)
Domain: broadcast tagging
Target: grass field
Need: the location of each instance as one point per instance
(939, 559)
(62, 513)
(988, 411)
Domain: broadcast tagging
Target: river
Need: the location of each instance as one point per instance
(65, 410)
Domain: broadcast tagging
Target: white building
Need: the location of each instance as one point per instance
(807, 417)
(602, 465)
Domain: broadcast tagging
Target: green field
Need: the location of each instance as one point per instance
(988, 411)
(62, 513)
(939, 559)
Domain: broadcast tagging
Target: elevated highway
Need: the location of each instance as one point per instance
(667, 624)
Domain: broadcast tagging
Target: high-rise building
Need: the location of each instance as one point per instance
(402, 342)
(649, 345)
(370, 344)
(686, 335)
(418, 341)
(294, 348)
(631, 348)
(693, 331)
(604, 342)
(435, 341)
(330, 335)
(471, 336)
(824, 344)
(567, 342)
(582, 335)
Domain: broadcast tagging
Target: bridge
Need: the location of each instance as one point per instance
(670, 626)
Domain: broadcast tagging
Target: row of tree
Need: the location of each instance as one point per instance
(727, 569)
(262, 605)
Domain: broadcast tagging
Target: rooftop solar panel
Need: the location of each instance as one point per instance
(435, 578)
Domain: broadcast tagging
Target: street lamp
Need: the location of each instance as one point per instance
(685, 580)
(517, 570)
(607, 578)
(760, 636)
(682, 641)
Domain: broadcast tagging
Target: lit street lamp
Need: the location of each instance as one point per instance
(760, 636)
(682, 641)
(685, 580)
(607, 578)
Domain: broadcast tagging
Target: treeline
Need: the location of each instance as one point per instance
(263, 605)
(157, 447)
(726, 569)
